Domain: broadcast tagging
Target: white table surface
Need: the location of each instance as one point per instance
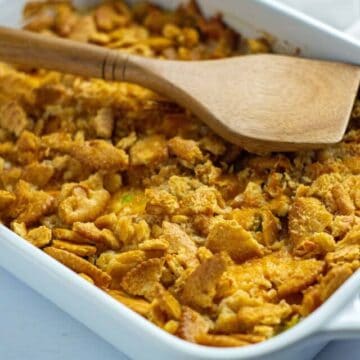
(33, 328)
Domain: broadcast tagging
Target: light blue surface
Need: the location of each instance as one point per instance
(33, 328)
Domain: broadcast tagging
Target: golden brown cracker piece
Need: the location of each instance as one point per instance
(143, 279)
(77, 249)
(79, 265)
(30, 204)
(148, 151)
(104, 237)
(231, 237)
(200, 287)
(192, 324)
(139, 305)
(40, 236)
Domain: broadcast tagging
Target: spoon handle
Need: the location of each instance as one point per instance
(30, 49)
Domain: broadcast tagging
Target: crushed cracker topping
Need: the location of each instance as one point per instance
(133, 193)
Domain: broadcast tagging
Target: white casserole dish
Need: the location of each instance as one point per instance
(339, 317)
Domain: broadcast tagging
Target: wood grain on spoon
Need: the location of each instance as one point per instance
(261, 102)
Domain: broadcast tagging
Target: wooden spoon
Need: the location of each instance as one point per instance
(261, 102)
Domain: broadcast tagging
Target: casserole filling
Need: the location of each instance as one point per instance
(209, 242)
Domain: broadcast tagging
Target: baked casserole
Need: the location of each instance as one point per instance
(211, 243)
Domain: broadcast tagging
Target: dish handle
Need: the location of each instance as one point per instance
(346, 324)
(354, 29)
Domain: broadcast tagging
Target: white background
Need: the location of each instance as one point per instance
(33, 328)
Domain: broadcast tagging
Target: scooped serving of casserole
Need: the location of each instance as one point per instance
(213, 244)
